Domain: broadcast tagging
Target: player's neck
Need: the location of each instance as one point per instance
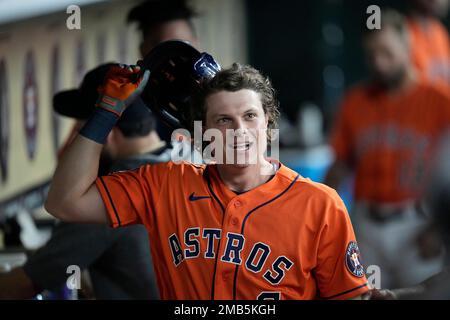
(245, 178)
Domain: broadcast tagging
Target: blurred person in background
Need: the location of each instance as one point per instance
(438, 200)
(385, 134)
(119, 261)
(430, 42)
(159, 21)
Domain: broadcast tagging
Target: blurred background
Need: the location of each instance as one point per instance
(311, 50)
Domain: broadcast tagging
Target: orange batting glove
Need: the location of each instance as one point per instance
(121, 87)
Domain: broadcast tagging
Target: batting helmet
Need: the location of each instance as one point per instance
(176, 69)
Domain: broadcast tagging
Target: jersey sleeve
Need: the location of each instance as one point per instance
(341, 138)
(339, 271)
(130, 196)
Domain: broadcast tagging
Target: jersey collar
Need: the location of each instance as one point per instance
(254, 197)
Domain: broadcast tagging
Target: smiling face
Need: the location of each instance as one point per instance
(242, 122)
(238, 112)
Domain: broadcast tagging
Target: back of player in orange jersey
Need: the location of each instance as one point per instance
(385, 134)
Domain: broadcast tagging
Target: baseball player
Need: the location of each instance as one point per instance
(438, 199)
(217, 231)
(385, 133)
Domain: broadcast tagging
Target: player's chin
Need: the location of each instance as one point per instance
(243, 161)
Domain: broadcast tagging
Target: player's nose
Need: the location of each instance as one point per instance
(239, 126)
(240, 133)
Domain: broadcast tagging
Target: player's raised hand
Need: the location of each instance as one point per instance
(122, 85)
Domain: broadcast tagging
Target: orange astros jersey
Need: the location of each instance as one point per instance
(389, 140)
(430, 50)
(289, 238)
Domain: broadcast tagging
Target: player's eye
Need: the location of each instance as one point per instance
(251, 115)
(223, 120)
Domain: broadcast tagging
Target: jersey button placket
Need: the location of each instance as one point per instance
(225, 270)
(235, 211)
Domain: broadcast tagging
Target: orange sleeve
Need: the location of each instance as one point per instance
(341, 138)
(130, 196)
(339, 272)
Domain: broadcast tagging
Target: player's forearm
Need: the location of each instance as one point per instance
(74, 175)
(438, 278)
(410, 293)
(418, 292)
(336, 174)
(73, 195)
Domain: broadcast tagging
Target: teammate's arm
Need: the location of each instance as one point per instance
(341, 141)
(337, 173)
(73, 195)
(415, 292)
